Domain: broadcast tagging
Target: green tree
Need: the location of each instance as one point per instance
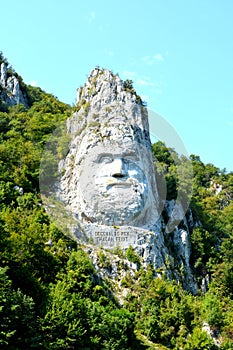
(199, 340)
(18, 328)
(78, 316)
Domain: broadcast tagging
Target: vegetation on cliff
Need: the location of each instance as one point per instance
(51, 297)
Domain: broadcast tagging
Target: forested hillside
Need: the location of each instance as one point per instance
(51, 296)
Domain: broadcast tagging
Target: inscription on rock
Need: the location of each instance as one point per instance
(106, 177)
(111, 236)
(114, 237)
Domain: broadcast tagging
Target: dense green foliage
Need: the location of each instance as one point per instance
(51, 297)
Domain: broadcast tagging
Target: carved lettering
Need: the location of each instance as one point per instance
(112, 236)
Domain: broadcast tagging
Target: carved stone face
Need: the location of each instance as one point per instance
(113, 184)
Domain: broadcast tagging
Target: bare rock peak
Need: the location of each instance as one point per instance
(10, 89)
(107, 184)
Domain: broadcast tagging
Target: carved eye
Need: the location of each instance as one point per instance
(106, 159)
(131, 157)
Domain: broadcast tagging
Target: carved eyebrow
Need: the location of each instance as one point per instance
(130, 154)
(104, 155)
(125, 154)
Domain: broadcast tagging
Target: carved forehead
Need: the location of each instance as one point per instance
(116, 149)
(135, 154)
(121, 141)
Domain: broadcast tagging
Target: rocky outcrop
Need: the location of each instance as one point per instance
(10, 90)
(213, 333)
(110, 157)
(106, 191)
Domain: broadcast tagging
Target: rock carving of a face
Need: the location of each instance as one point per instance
(113, 185)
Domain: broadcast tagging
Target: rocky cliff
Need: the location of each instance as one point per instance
(106, 192)
(11, 91)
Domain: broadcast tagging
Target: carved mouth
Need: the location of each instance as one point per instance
(119, 183)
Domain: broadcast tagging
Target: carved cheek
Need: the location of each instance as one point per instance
(104, 170)
(133, 173)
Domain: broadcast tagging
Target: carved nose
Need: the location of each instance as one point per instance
(117, 170)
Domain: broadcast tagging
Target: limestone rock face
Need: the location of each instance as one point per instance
(10, 91)
(3, 77)
(107, 179)
(107, 185)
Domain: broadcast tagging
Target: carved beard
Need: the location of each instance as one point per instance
(119, 202)
(111, 200)
(110, 186)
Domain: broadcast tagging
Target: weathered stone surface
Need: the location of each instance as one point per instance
(107, 178)
(3, 76)
(106, 192)
(213, 333)
(11, 93)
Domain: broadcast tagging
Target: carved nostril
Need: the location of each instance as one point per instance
(117, 168)
(118, 175)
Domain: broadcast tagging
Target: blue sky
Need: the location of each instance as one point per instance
(178, 53)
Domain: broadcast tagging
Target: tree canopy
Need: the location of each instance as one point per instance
(51, 295)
